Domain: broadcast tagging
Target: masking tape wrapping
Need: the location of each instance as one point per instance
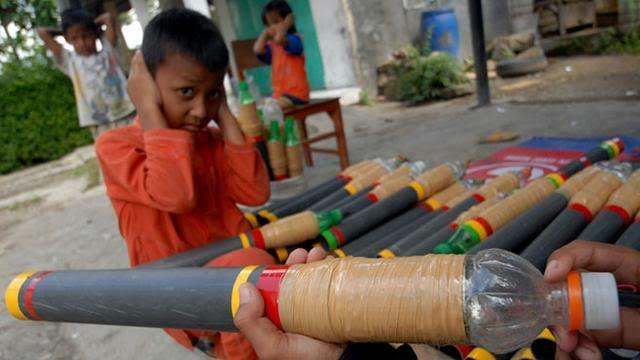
(476, 210)
(291, 230)
(413, 299)
(294, 160)
(628, 195)
(368, 178)
(391, 186)
(277, 158)
(578, 181)
(505, 183)
(402, 170)
(249, 121)
(445, 196)
(502, 213)
(458, 199)
(435, 179)
(359, 170)
(594, 194)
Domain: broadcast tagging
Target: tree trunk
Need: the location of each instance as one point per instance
(10, 41)
(168, 4)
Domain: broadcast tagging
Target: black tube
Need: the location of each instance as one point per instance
(593, 156)
(608, 354)
(384, 229)
(262, 149)
(367, 219)
(427, 246)
(310, 197)
(346, 201)
(354, 206)
(631, 237)
(373, 248)
(525, 227)
(423, 234)
(605, 227)
(125, 297)
(560, 232)
(198, 256)
(330, 200)
(479, 52)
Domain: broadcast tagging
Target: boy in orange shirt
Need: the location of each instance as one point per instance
(173, 181)
(280, 46)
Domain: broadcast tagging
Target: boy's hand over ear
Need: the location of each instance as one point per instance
(144, 94)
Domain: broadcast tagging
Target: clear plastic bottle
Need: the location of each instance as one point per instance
(458, 168)
(507, 303)
(272, 112)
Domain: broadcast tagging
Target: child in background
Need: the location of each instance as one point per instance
(98, 81)
(173, 181)
(280, 46)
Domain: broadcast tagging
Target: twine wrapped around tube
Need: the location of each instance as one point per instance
(390, 186)
(249, 121)
(503, 212)
(423, 303)
(291, 230)
(294, 160)
(595, 193)
(435, 179)
(445, 197)
(627, 197)
(401, 171)
(277, 158)
(475, 210)
(504, 183)
(577, 181)
(366, 179)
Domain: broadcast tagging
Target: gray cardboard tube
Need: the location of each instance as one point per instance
(605, 227)
(423, 233)
(560, 232)
(197, 256)
(186, 298)
(525, 227)
(427, 245)
(631, 237)
(384, 229)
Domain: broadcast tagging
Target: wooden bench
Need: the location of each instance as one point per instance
(244, 59)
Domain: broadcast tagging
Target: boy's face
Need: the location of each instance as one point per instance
(190, 93)
(273, 19)
(82, 39)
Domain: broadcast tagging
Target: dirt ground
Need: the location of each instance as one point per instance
(63, 225)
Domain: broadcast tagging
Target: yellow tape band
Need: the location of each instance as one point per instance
(252, 220)
(242, 278)
(557, 178)
(547, 335)
(387, 254)
(435, 204)
(418, 189)
(478, 228)
(614, 147)
(524, 354)
(351, 189)
(282, 254)
(267, 215)
(245, 241)
(479, 353)
(340, 253)
(11, 295)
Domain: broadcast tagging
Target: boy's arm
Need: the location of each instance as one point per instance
(46, 34)
(110, 31)
(259, 47)
(247, 178)
(280, 36)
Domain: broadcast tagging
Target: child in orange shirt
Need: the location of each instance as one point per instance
(280, 46)
(174, 181)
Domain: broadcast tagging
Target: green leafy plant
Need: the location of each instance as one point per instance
(609, 42)
(422, 78)
(38, 118)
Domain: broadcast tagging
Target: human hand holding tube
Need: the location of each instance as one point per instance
(624, 263)
(267, 340)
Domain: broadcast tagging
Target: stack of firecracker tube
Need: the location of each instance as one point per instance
(282, 149)
(385, 210)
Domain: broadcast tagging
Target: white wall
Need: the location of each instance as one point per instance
(330, 22)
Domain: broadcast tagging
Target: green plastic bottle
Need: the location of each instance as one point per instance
(245, 96)
(328, 219)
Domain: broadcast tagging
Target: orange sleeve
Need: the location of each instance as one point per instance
(158, 174)
(247, 180)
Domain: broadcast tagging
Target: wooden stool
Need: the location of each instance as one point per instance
(244, 59)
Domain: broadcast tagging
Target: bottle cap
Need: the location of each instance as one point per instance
(243, 85)
(600, 301)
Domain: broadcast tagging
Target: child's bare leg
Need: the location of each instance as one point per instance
(285, 102)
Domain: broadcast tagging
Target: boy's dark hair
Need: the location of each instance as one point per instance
(77, 16)
(184, 32)
(282, 8)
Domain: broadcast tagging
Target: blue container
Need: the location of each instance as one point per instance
(440, 31)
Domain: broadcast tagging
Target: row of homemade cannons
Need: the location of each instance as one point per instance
(388, 209)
